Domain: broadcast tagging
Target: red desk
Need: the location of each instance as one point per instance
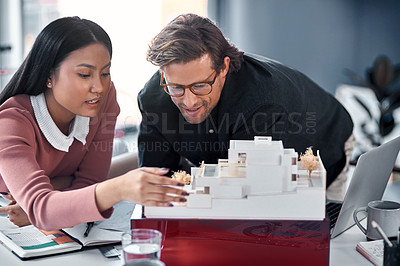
(241, 242)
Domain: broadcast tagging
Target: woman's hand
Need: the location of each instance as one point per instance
(15, 213)
(148, 187)
(145, 186)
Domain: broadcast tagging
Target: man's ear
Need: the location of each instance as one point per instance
(225, 69)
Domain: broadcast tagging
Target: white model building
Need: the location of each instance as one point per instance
(259, 180)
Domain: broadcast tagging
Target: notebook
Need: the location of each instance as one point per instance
(368, 183)
(372, 250)
(29, 242)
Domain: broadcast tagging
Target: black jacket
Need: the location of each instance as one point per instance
(264, 98)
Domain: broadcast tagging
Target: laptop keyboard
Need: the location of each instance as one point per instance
(332, 211)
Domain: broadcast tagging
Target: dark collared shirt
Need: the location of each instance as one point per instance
(264, 98)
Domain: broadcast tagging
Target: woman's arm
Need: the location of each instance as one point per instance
(145, 186)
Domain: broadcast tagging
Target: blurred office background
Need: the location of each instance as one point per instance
(321, 38)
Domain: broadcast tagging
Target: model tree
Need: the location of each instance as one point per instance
(182, 177)
(309, 161)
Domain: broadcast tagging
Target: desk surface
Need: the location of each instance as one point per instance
(342, 248)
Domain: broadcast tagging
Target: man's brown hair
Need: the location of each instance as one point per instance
(188, 37)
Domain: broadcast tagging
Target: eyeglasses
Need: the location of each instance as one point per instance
(177, 90)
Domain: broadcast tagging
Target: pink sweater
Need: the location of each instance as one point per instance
(28, 162)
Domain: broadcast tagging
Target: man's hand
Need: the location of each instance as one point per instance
(15, 213)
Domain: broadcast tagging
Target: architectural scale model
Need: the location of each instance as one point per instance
(259, 180)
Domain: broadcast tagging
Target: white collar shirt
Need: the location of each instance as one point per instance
(79, 127)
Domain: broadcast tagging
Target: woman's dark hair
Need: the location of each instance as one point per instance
(53, 44)
(188, 37)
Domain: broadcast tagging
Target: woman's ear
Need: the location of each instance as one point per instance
(50, 80)
(49, 84)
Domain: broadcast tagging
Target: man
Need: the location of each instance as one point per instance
(207, 92)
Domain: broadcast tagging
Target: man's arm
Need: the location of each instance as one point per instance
(154, 149)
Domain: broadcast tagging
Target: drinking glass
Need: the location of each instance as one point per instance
(141, 247)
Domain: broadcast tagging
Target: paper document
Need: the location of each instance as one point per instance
(372, 250)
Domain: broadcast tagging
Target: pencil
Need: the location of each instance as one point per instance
(380, 231)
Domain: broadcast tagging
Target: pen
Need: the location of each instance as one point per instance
(380, 231)
(88, 228)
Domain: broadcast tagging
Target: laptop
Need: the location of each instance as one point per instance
(368, 183)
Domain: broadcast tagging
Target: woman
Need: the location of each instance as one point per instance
(57, 120)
